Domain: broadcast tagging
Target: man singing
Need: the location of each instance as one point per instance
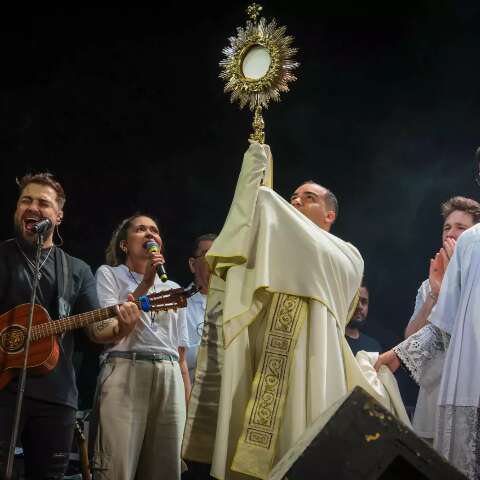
(66, 287)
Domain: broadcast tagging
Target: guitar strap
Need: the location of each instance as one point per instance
(63, 268)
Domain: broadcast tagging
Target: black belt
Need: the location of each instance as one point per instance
(143, 356)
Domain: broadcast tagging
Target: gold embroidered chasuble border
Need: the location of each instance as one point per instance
(256, 447)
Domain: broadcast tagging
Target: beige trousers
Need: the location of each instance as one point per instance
(141, 420)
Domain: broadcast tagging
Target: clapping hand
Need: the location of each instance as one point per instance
(448, 248)
(438, 265)
(436, 272)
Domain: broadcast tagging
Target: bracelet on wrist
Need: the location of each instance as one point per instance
(433, 296)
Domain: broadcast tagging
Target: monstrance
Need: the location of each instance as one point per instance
(258, 66)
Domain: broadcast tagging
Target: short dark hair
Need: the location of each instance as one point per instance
(114, 255)
(196, 243)
(44, 178)
(330, 199)
(463, 204)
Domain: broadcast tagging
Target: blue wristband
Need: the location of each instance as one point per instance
(144, 303)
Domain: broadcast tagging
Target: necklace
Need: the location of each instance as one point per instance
(30, 263)
(152, 314)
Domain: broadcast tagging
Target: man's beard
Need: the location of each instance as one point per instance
(18, 232)
(356, 323)
(25, 242)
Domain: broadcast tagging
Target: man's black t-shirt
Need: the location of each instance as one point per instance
(58, 386)
(363, 342)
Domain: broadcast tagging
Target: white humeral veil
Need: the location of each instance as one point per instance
(273, 356)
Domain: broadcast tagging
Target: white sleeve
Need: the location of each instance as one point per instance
(422, 293)
(182, 330)
(417, 351)
(107, 287)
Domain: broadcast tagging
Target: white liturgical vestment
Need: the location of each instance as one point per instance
(273, 355)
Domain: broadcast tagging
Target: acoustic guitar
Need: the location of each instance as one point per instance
(44, 350)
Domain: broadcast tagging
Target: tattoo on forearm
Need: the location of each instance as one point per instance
(102, 325)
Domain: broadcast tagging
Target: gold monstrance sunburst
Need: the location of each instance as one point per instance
(258, 66)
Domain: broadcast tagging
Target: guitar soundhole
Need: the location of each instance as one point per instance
(12, 339)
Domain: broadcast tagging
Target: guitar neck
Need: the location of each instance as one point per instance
(166, 300)
(66, 324)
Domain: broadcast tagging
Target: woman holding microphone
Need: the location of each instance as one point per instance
(143, 386)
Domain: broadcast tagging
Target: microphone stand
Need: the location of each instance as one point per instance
(23, 376)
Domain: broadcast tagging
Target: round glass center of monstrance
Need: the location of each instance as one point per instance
(256, 62)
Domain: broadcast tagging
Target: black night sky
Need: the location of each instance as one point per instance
(125, 106)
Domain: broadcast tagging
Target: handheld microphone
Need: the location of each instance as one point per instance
(152, 247)
(42, 226)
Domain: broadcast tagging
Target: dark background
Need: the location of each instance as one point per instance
(125, 106)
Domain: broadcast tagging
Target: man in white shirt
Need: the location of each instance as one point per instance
(459, 214)
(453, 327)
(197, 303)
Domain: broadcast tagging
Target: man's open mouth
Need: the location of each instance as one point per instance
(29, 222)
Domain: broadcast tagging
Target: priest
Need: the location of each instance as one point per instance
(273, 356)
